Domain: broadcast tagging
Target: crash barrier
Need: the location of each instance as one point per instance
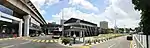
(140, 41)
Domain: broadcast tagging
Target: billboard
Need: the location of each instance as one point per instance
(6, 10)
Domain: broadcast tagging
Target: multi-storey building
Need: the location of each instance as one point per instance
(80, 27)
(20, 17)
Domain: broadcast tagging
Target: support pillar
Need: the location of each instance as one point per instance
(26, 25)
(20, 28)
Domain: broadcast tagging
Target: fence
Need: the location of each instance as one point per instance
(140, 40)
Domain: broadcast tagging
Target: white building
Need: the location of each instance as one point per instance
(104, 24)
(61, 21)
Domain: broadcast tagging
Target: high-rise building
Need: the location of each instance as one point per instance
(104, 24)
(61, 21)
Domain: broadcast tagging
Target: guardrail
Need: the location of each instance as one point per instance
(138, 42)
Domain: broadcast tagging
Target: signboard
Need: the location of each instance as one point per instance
(6, 10)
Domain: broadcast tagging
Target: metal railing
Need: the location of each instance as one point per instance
(139, 41)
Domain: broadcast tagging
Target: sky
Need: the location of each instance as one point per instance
(90, 10)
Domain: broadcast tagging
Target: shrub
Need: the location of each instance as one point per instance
(66, 40)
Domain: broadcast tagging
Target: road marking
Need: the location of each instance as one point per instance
(47, 41)
(34, 40)
(130, 44)
(10, 38)
(26, 39)
(42, 40)
(8, 46)
(1, 39)
(38, 40)
(5, 39)
(26, 42)
(111, 46)
(51, 40)
(82, 47)
(16, 44)
(55, 40)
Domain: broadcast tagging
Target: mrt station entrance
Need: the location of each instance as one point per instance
(8, 29)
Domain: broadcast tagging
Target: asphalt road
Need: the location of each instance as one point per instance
(21, 43)
(119, 42)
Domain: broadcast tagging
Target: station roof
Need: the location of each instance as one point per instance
(73, 20)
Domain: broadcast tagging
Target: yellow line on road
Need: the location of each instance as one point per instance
(43, 41)
(51, 40)
(5, 39)
(34, 40)
(47, 41)
(38, 40)
(1, 39)
(130, 44)
(82, 47)
(55, 40)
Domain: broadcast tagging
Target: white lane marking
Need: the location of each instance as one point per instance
(8, 46)
(16, 44)
(111, 46)
(25, 42)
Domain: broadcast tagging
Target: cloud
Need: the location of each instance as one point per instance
(120, 10)
(40, 3)
(71, 12)
(42, 12)
(84, 3)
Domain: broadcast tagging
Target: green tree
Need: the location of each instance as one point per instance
(144, 6)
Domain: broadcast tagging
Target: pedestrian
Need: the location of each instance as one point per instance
(3, 33)
(15, 35)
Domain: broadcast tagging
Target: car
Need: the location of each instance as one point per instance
(129, 37)
(56, 36)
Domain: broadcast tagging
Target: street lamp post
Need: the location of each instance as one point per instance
(62, 23)
(74, 37)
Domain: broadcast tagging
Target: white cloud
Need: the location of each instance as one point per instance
(123, 11)
(120, 10)
(84, 3)
(73, 13)
(39, 3)
(42, 11)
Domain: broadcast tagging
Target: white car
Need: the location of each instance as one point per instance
(56, 36)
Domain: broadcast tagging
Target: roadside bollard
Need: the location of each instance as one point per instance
(94, 41)
(98, 40)
(71, 43)
(89, 42)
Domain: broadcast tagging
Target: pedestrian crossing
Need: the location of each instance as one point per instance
(42, 40)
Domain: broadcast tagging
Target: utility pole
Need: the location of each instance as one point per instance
(115, 27)
(62, 23)
(124, 28)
